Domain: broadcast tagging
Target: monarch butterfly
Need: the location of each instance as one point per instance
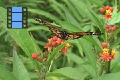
(64, 34)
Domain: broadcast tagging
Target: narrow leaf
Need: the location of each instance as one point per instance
(18, 68)
(5, 74)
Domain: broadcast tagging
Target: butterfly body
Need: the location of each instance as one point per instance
(64, 34)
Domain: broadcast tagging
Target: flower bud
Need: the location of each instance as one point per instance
(104, 44)
(107, 7)
(102, 10)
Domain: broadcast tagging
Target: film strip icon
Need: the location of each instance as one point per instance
(17, 17)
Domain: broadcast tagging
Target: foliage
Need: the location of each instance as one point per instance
(82, 62)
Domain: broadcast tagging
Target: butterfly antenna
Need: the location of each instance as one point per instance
(39, 20)
(43, 22)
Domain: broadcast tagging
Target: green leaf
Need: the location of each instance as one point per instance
(93, 40)
(3, 17)
(90, 69)
(115, 64)
(55, 52)
(115, 19)
(21, 36)
(18, 68)
(44, 13)
(79, 6)
(35, 28)
(23, 39)
(116, 31)
(71, 73)
(87, 48)
(111, 76)
(69, 26)
(97, 2)
(75, 58)
(72, 9)
(79, 48)
(5, 74)
(71, 19)
(2, 3)
(116, 43)
(58, 8)
(2, 32)
(96, 20)
(57, 75)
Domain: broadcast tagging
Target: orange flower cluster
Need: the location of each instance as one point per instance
(108, 15)
(107, 10)
(106, 55)
(110, 28)
(52, 44)
(55, 42)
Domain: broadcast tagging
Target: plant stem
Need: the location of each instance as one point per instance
(102, 67)
(108, 71)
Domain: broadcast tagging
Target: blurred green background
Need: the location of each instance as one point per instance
(69, 15)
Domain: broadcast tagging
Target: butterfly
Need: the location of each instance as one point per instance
(64, 34)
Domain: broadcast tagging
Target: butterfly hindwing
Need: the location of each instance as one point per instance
(86, 33)
(76, 35)
(73, 36)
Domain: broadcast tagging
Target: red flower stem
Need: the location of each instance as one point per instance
(102, 68)
(109, 71)
(106, 35)
(64, 61)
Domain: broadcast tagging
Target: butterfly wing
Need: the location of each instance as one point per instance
(86, 33)
(73, 36)
(76, 35)
(52, 28)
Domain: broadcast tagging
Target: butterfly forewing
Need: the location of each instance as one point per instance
(51, 27)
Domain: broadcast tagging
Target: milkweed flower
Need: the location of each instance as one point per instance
(104, 44)
(110, 28)
(55, 42)
(102, 10)
(113, 52)
(105, 50)
(64, 50)
(36, 57)
(107, 11)
(113, 28)
(106, 56)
